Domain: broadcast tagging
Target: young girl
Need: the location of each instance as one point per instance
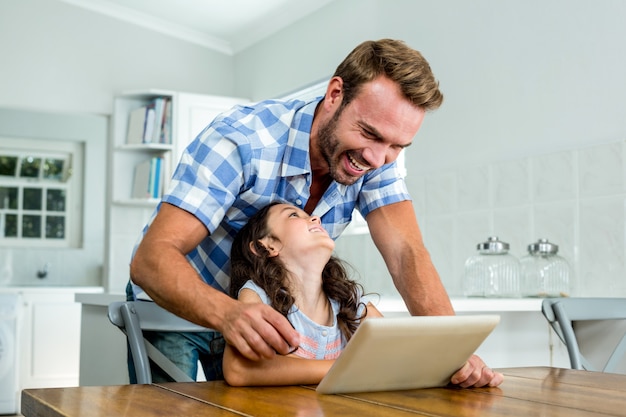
(283, 257)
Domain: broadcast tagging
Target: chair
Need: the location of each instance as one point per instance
(132, 317)
(569, 316)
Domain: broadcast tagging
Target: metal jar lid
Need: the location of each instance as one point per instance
(493, 246)
(543, 247)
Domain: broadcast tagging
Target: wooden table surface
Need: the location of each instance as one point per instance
(525, 392)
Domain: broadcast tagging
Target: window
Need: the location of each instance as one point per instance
(40, 193)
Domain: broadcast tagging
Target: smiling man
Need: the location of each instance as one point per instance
(327, 156)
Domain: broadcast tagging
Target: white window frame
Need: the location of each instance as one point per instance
(71, 183)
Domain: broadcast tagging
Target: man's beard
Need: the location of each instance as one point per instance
(327, 145)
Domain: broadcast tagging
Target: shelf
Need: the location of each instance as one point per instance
(51, 289)
(145, 147)
(137, 202)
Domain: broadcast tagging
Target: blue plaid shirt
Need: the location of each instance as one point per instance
(250, 156)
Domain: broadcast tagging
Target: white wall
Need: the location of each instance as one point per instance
(533, 84)
(519, 76)
(59, 57)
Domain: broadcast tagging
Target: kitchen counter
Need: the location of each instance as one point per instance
(395, 305)
(99, 299)
(50, 289)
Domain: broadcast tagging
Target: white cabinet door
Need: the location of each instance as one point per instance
(50, 340)
(194, 112)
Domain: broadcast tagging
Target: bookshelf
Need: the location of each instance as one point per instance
(126, 213)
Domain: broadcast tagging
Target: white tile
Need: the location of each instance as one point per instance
(601, 170)
(417, 189)
(601, 259)
(472, 187)
(364, 263)
(553, 177)
(470, 230)
(511, 183)
(439, 242)
(557, 223)
(573, 198)
(513, 225)
(440, 193)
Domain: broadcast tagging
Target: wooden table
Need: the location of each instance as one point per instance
(525, 392)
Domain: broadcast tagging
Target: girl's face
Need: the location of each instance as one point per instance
(294, 233)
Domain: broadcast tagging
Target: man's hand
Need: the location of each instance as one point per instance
(258, 331)
(476, 374)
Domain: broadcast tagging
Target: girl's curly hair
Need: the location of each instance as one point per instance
(270, 274)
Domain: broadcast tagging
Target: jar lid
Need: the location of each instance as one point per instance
(493, 245)
(542, 246)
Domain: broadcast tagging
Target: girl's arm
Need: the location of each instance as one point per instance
(280, 370)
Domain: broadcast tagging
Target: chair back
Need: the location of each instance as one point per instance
(132, 318)
(564, 314)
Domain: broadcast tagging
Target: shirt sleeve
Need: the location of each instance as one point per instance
(210, 174)
(258, 290)
(382, 187)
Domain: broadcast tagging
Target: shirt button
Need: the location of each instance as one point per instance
(324, 332)
(299, 202)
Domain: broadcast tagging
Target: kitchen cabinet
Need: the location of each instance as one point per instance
(48, 336)
(50, 340)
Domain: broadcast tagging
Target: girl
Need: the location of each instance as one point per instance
(283, 257)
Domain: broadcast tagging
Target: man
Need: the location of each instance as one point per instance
(326, 157)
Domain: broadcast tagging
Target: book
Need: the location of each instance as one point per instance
(149, 125)
(156, 181)
(136, 125)
(166, 130)
(141, 182)
(159, 111)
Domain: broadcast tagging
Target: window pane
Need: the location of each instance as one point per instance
(55, 200)
(31, 226)
(32, 199)
(8, 165)
(10, 225)
(53, 169)
(8, 198)
(55, 227)
(30, 167)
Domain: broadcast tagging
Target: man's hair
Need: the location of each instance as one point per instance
(270, 274)
(398, 62)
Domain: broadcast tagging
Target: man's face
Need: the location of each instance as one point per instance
(369, 132)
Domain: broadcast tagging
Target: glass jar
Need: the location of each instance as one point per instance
(544, 273)
(493, 272)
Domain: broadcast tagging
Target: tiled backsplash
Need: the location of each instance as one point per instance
(574, 198)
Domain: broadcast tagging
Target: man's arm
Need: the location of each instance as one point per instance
(397, 236)
(161, 269)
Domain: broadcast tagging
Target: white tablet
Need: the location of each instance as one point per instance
(387, 354)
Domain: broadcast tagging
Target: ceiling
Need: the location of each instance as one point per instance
(227, 26)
